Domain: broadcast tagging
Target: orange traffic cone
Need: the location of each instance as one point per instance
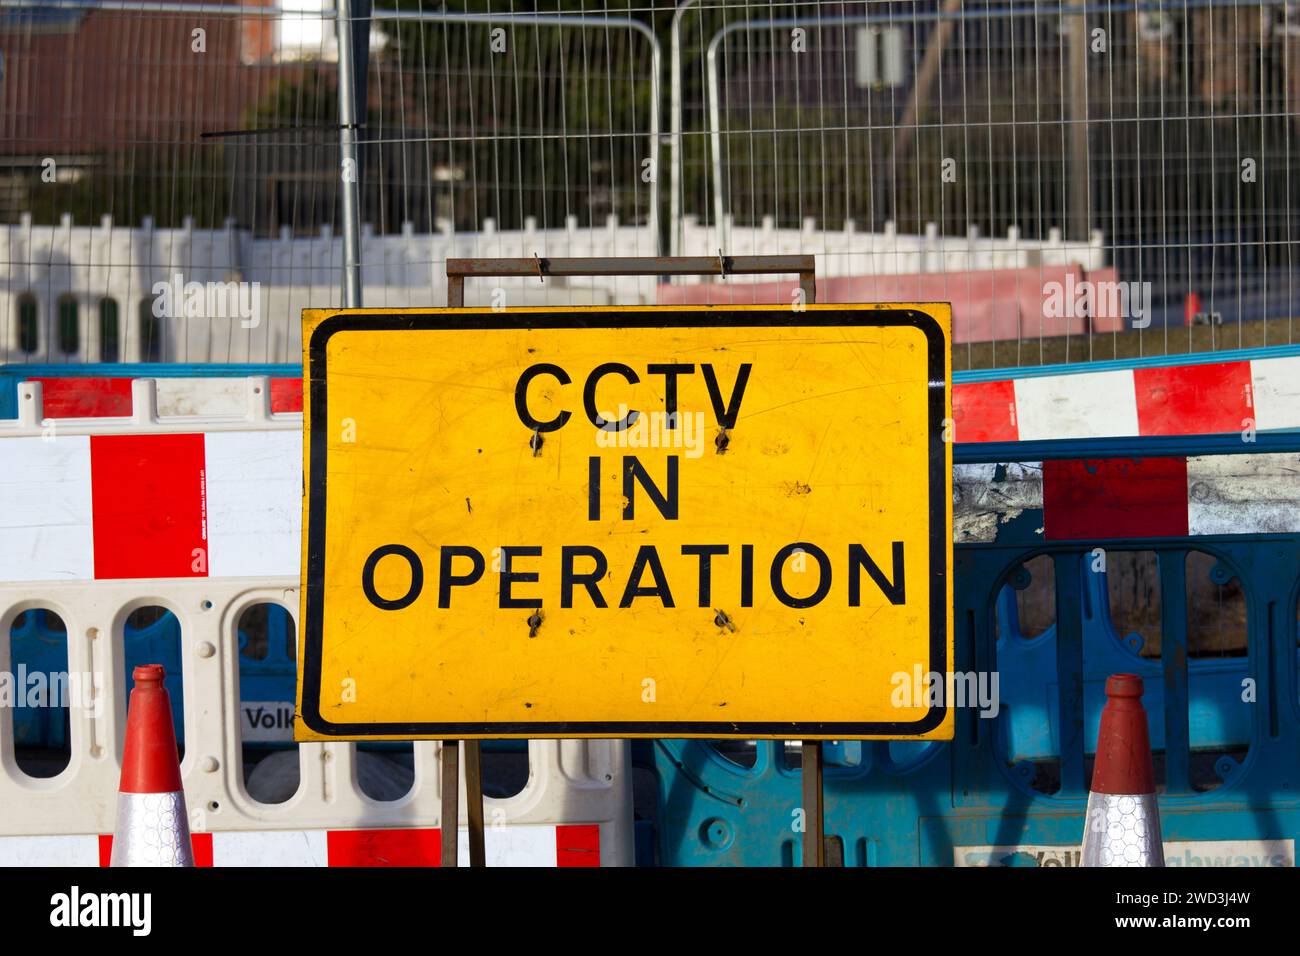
(1123, 822)
(152, 823)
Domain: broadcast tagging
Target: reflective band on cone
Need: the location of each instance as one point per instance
(1122, 830)
(152, 824)
(1122, 827)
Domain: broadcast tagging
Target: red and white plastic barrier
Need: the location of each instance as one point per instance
(536, 846)
(225, 501)
(187, 505)
(1193, 399)
(1200, 399)
(1174, 496)
(108, 397)
(199, 514)
(143, 496)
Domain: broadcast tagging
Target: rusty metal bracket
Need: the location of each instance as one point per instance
(458, 270)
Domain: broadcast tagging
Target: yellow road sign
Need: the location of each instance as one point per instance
(670, 522)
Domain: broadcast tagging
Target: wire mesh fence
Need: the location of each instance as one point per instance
(1166, 130)
(1082, 180)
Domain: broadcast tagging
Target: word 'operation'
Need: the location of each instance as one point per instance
(582, 566)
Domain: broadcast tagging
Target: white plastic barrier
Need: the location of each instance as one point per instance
(90, 264)
(283, 275)
(848, 252)
(214, 503)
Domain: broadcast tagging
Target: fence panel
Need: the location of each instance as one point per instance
(1165, 133)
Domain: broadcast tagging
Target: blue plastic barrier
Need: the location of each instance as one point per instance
(1027, 668)
(921, 803)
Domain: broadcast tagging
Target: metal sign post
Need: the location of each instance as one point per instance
(451, 800)
(700, 521)
(814, 834)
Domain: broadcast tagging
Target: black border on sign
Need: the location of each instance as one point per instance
(605, 319)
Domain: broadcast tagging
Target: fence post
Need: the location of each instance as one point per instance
(677, 193)
(349, 166)
(1079, 214)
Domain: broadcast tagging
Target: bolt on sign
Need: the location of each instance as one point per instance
(590, 522)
